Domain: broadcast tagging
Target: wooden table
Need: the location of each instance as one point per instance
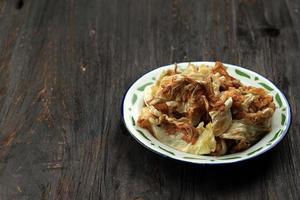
(65, 66)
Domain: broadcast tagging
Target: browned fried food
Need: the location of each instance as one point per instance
(211, 111)
(228, 80)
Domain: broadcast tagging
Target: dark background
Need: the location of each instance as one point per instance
(66, 64)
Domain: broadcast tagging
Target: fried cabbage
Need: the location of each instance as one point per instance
(205, 111)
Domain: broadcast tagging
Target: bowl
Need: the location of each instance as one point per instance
(133, 102)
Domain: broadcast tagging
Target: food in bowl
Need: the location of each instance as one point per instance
(203, 110)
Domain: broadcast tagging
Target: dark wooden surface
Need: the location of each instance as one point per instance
(65, 66)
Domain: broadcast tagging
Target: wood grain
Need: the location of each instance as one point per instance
(65, 66)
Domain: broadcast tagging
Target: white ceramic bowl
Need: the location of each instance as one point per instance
(133, 102)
